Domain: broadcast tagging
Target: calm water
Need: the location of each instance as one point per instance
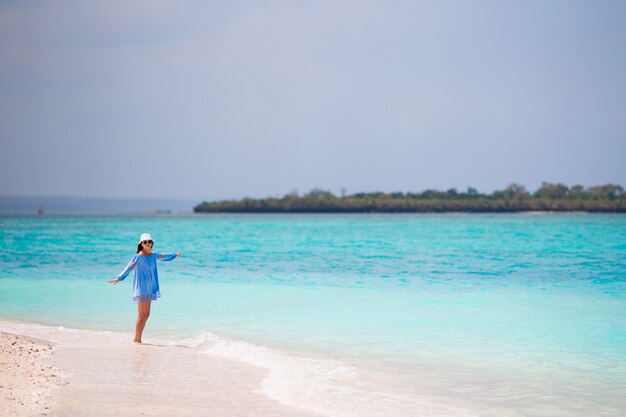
(490, 315)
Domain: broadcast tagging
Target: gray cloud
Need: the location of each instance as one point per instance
(213, 100)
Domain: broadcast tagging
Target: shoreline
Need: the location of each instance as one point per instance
(211, 376)
(102, 374)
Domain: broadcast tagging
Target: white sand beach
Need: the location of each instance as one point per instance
(29, 381)
(80, 373)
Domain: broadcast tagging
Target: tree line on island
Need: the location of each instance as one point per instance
(609, 198)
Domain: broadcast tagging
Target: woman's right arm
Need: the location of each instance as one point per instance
(131, 265)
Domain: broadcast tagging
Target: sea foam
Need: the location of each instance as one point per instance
(323, 386)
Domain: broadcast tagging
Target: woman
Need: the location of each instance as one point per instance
(146, 279)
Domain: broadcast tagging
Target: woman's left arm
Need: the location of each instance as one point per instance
(168, 256)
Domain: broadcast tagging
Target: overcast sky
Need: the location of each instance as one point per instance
(209, 100)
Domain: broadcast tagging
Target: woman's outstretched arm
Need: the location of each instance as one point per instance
(168, 256)
(131, 265)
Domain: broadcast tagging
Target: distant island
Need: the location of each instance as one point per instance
(609, 198)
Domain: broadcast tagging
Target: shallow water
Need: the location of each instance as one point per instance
(503, 315)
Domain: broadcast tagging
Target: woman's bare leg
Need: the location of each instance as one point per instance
(143, 310)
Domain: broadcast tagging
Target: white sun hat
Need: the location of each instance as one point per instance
(145, 236)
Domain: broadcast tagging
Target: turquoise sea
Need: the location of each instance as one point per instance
(354, 315)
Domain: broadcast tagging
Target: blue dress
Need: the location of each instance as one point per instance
(146, 279)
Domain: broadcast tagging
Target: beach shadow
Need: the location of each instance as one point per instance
(151, 344)
(163, 345)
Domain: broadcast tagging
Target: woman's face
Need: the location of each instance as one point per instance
(147, 245)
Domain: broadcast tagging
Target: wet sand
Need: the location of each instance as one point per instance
(111, 376)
